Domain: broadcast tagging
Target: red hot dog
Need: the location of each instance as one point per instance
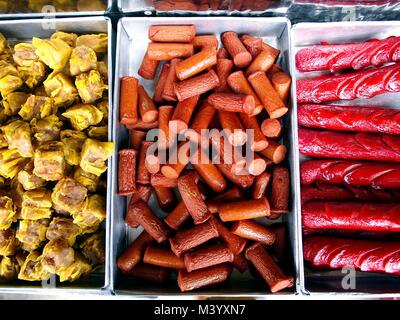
(127, 172)
(207, 257)
(242, 210)
(356, 146)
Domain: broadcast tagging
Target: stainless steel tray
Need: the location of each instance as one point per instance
(51, 12)
(307, 34)
(127, 6)
(24, 30)
(131, 45)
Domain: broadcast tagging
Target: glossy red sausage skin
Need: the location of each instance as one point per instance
(349, 118)
(188, 281)
(354, 146)
(364, 255)
(352, 216)
(378, 175)
(268, 269)
(361, 84)
(336, 57)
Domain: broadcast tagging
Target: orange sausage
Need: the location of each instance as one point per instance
(178, 217)
(260, 185)
(143, 175)
(165, 198)
(231, 195)
(162, 78)
(148, 68)
(259, 142)
(252, 44)
(263, 62)
(169, 51)
(188, 281)
(201, 120)
(141, 125)
(192, 198)
(224, 68)
(239, 84)
(208, 171)
(169, 92)
(185, 240)
(275, 151)
(271, 128)
(197, 63)
(243, 210)
(207, 257)
(140, 213)
(235, 244)
(136, 138)
(149, 273)
(240, 263)
(204, 41)
(143, 192)
(133, 254)
(196, 85)
(183, 112)
(173, 170)
(232, 128)
(268, 269)
(152, 162)
(253, 231)
(128, 113)
(159, 180)
(274, 69)
(162, 257)
(232, 102)
(171, 33)
(126, 171)
(241, 57)
(164, 116)
(267, 94)
(222, 53)
(281, 82)
(280, 190)
(147, 109)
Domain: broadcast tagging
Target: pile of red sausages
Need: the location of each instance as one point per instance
(210, 230)
(351, 191)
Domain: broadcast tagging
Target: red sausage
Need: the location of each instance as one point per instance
(355, 146)
(253, 231)
(364, 255)
(350, 118)
(231, 195)
(336, 57)
(242, 210)
(377, 175)
(149, 273)
(352, 216)
(361, 84)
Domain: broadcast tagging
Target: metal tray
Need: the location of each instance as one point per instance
(307, 34)
(50, 11)
(130, 6)
(131, 45)
(24, 30)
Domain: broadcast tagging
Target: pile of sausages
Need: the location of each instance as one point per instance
(352, 190)
(211, 229)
